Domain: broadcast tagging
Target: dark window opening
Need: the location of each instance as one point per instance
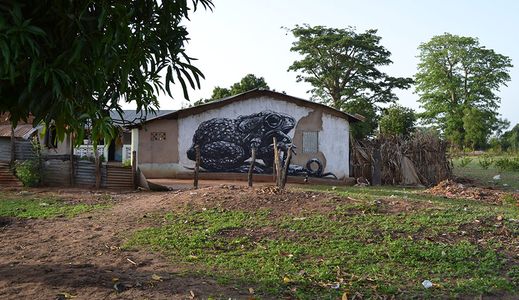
(51, 139)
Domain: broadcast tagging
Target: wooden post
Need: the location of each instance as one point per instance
(71, 159)
(284, 174)
(197, 166)
(376, 178)
(135, 178)
(251, 168)
(277, 167)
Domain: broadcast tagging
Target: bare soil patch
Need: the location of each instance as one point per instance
(81, 257)
(58, 258)
(279, 203)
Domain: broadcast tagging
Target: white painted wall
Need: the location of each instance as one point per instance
(333, 140)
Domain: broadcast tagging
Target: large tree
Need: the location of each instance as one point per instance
(71, 62)
(343, 67)
(457, 81)
(397, 120)
(247, 83)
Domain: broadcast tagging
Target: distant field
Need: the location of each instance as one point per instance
(509, 180)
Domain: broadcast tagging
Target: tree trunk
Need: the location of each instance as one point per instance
(98, 167)
(71, 159)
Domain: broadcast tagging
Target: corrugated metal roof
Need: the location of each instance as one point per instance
(24, 131)
(132, 117)
(254, 93)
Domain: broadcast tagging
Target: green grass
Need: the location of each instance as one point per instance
(38, 207)
(509, 179)
(356, 247)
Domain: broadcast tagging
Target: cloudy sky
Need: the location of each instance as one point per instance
(246, 36)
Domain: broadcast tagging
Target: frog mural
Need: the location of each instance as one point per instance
(226, 144)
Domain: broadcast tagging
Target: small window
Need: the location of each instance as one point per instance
(127, 138)
(310, 141)
(158, 136)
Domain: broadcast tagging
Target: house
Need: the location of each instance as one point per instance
(119, 148)
(56, 167)
(22, 134)
(226, 131)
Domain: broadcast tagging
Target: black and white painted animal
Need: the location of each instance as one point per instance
(225, 144)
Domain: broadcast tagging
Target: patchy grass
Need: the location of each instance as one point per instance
(386, 242)
(41, 207)
(474, 171)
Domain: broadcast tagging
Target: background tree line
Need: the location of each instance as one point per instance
(456, 83)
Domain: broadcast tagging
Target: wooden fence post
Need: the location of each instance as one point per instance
(284, 174)
(251, 168)
(376, 178)
(277, 167)
(197, 166)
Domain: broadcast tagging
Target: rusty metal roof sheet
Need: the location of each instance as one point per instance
(23, 131)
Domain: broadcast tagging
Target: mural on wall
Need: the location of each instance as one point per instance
(226, 144)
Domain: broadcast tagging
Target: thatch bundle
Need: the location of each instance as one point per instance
(418, 159)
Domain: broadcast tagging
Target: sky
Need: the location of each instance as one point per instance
(246, 36)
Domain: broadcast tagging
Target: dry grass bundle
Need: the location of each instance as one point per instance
(421, 158)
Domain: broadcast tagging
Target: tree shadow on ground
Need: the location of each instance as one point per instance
(100, 282)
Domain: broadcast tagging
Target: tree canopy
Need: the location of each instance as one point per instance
(247, 83)
(457, 81)
(343, 67)
(67, 62)
(508, 141)
(397, 120)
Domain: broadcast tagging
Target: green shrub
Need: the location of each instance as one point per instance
(127, 163)
(464, 161)
(28, 171)
(485, 161)
(507, 164)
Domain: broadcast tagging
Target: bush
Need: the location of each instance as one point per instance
(485, 161)
(464, 161)
(507, 164)
(28, 171)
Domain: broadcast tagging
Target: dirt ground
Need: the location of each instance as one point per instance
(81, 258)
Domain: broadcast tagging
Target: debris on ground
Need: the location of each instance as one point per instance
(427, 284)
(452, 189)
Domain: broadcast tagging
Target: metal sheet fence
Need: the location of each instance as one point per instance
(23, 149)
(85, 174)
(56, 172)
